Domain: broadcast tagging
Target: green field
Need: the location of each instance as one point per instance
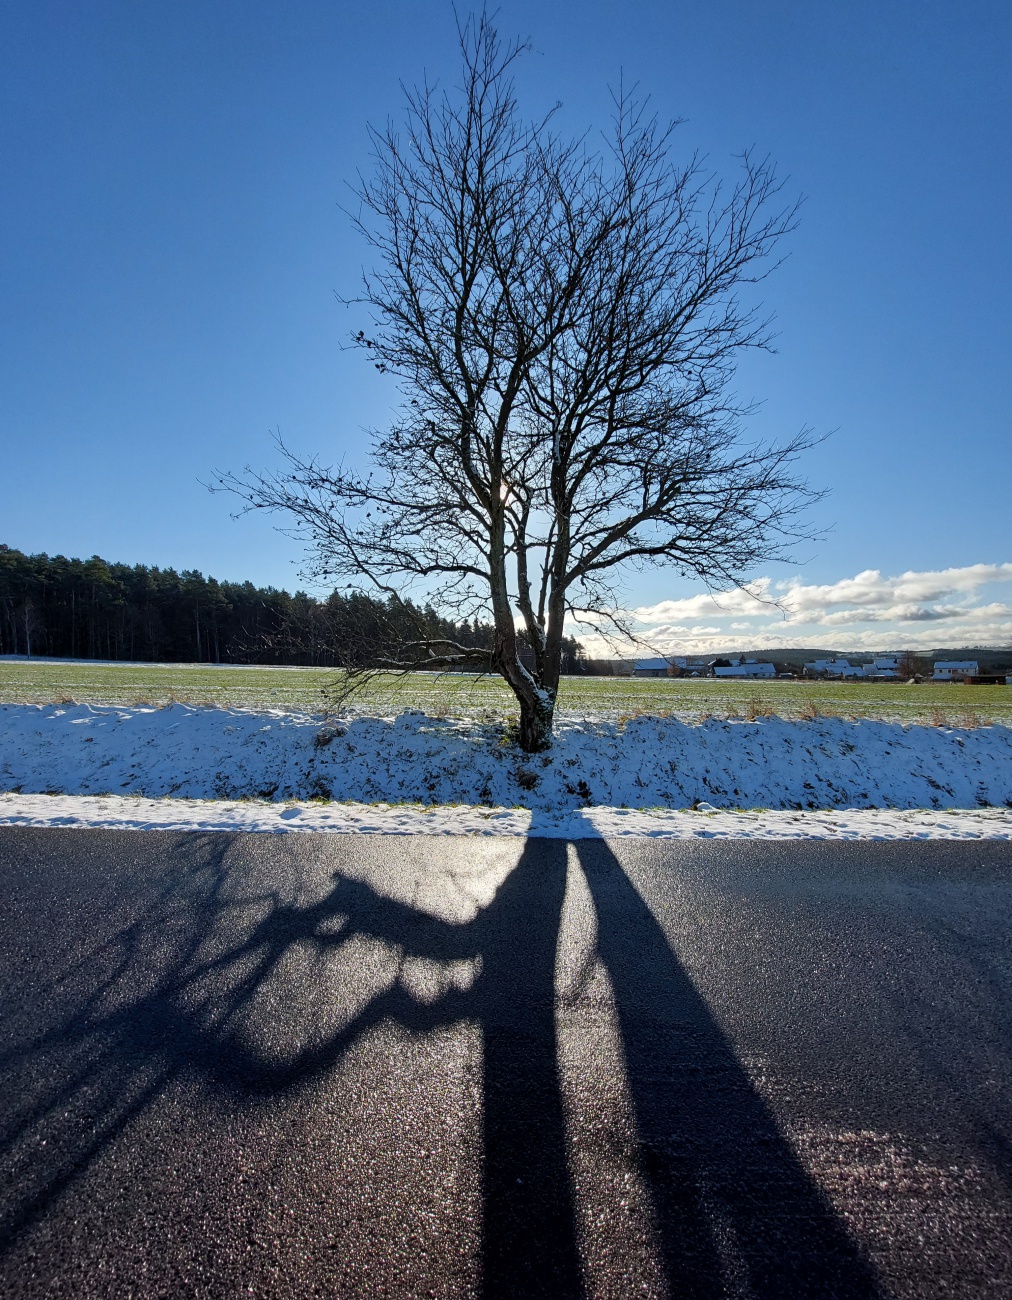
(41, 682)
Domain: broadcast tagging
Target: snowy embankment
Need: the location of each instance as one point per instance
(208, 753)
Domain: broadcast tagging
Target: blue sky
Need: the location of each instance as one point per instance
(171, 241)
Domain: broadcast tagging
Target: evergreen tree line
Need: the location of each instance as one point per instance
(91, 609)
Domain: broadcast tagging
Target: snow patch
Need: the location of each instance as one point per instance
(117, 812)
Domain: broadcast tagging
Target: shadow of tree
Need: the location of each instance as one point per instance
(209, 981)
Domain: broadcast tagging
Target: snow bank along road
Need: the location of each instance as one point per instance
(210, 753)
(345, 1066)
(130, 812)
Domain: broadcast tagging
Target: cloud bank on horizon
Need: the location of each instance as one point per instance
(869, 612)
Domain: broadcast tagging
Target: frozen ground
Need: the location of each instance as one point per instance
(125, 812)
(770, 763)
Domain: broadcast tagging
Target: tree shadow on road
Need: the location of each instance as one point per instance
(185, 987)
(736, 1211)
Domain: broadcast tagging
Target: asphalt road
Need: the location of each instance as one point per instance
(406, 1066)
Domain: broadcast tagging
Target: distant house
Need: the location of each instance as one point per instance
(681, 666)
(954, 670)
(834, 668)
(743, 668)
(650, 668)
(884, 667)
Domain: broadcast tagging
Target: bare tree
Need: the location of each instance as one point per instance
(564, 325)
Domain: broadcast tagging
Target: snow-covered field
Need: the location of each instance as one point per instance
(413, 759)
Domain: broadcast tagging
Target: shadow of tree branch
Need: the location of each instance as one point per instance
(187, 984)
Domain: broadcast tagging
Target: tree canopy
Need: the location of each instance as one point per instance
(564, 325)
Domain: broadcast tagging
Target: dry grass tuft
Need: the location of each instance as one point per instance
(756, 707)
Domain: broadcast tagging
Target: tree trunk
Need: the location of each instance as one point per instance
(537, 705)
(536, 715)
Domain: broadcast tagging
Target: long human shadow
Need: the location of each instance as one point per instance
(529, 1237)
(736, 1211)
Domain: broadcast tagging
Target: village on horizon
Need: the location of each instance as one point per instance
(894, 667)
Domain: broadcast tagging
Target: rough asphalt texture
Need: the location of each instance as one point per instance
(397, 1066)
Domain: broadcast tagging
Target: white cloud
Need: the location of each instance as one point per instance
(870, 611)
(870, 590)
(747, 600)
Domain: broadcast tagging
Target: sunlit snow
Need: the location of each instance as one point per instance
(597, 775)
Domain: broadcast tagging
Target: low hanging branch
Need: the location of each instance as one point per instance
(564, 326)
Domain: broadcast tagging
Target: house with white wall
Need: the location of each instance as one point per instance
(834, 668)
(745, 668)
(954, 670)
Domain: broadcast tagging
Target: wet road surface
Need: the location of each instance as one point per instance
(406, 1066)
